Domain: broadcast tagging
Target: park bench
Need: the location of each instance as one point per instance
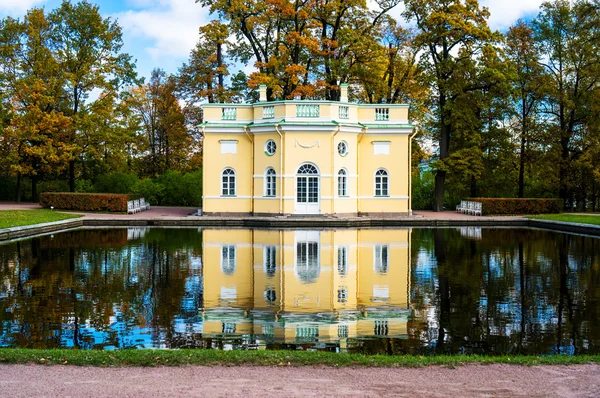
(469, 207)
(134, 206)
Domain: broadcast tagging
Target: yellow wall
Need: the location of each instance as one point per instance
(301, 143)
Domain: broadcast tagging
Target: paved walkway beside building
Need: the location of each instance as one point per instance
(244, 381)
(166, 212)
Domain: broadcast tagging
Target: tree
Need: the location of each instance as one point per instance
(528, 83)
(573, 65)
(34, 89)
(457, 42)
(88, 50)
(166, 143)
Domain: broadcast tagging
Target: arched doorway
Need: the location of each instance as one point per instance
(307, 189)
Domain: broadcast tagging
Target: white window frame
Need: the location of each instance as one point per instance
(267, 151)
(342, 295)
(378, 259)
(342, 261)
(270, 184)
(344, 145)
(378, 184)
(227, 184)
(343, 183)
(270, 252)
(228, 257)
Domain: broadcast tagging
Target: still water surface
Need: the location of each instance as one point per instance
(417, 291)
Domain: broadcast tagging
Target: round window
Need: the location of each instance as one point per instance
(270, 147)
(343, 148)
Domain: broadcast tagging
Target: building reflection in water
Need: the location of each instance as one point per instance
(294, 287)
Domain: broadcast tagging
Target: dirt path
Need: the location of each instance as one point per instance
(466, 381)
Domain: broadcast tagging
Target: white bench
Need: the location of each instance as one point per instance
(469, 207)
(133, 206)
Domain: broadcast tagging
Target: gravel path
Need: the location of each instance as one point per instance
(464, 381)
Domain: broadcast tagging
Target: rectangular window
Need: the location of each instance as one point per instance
(307, 333)
(342, 185)
(228, 146)
(228, 259)
(343, 331)
(228, 328)
(307, 110)
(382, 114)
(228, 188)
(342, 295)
(270, 256)
(381, 293)
(381, 186)
(381, 148)
(313, 189)
(344, 112)
(342, 260)
(380, 263)
(228, 113)
(268, 112)
(271, 184)
(381, 328)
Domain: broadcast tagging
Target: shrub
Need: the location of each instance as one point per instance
(116, 183)
(422, 191)
(84, 186)
(151, 191)
(500, 206)
(84, 201)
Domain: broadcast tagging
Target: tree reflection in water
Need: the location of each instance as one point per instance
(486, 291)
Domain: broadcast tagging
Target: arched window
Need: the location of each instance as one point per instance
(342, 183)
(381, 183)
(270, 182)
(308, 169)
(228, 182)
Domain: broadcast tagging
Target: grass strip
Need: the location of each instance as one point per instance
(19, 218)
(580, 219)
(148, 358)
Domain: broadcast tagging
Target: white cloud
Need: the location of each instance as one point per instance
(18, 7)
(504, 13)
(170, 25)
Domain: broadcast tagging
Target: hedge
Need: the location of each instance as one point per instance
(85, 201)
(501, 206)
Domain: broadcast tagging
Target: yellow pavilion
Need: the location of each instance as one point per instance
(306, 157)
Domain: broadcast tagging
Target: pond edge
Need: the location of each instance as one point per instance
(255, 222)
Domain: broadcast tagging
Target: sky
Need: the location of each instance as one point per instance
(161, 33)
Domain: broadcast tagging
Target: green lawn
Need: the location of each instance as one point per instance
(593, 219)
(265, 358)
(17, 218)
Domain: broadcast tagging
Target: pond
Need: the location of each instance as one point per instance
(394, 291)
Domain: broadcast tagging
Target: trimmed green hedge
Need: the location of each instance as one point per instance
(502, 206)
(85, 201)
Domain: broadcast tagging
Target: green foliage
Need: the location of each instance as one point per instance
(53, 186)
(172, 189)
(422, 191)
(502, 206)
(84, 186)
(116, 183)
(85, 201)
(150, 190)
